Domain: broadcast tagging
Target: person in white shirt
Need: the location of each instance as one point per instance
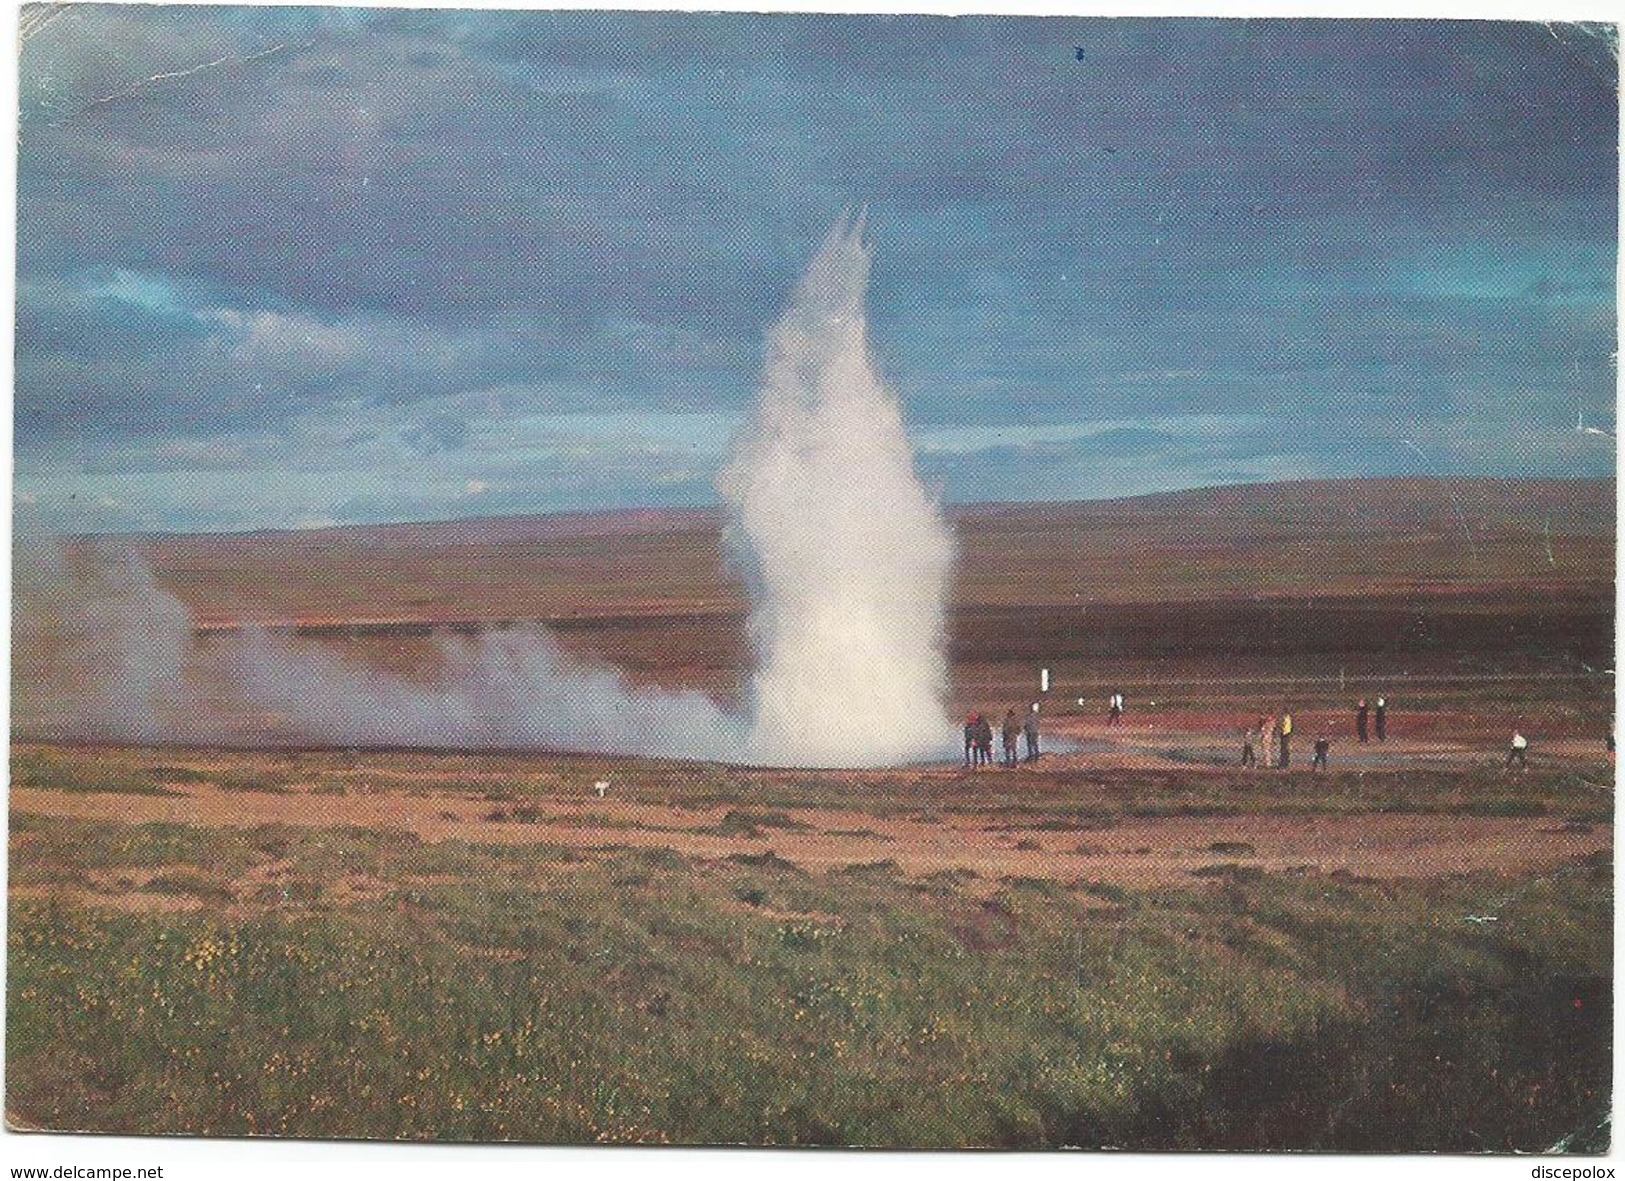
(1520, 744)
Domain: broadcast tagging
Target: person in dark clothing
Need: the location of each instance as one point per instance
(1248, 739)
(1382, 719)
(1030, 728)
(984, 741)
(1286, 741)
(970, 739)
(1011, 734)
(1361, 716)
(1323, 746)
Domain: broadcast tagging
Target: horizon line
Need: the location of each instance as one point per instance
(715, 509)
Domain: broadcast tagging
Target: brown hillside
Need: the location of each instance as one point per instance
(1356, 539)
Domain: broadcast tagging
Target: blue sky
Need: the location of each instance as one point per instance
(291, 267)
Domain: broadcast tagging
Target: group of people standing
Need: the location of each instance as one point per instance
(1362, 717)
(1272, 737)
(1267, 744)
(979, 738)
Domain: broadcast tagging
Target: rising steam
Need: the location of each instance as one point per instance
(847, 561)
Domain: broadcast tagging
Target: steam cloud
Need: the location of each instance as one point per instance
(847, 560)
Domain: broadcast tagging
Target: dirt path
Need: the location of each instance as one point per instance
(1133, 851)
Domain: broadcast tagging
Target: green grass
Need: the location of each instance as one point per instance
(522, 993)
(253, 781)
(186, 881)
(180, 774)
(739, 822)
(45, 772)
(1037, 798)
(116, 771)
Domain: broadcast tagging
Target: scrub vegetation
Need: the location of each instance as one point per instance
(318, 981)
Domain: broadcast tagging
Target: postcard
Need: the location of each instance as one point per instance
(907, 582)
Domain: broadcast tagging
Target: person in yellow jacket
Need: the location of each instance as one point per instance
(1286, 741)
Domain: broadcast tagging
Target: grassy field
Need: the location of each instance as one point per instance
(1053, 791)
(317, 980)
(1131, 944)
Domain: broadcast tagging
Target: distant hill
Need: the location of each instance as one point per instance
(1376, 506)
(464, 531)
(1320, 538)
(1373, 506)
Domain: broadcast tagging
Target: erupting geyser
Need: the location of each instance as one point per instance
(847, 559)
